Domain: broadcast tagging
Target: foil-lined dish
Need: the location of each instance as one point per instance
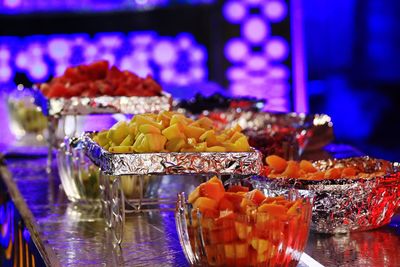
(284, 134)
(240, 163)
(365, 202)
(102, 104)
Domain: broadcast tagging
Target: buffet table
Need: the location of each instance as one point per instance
(66, 235)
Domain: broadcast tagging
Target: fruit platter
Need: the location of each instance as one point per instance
(160, 144)
(353, 194)
(241, 225)
(98, 89)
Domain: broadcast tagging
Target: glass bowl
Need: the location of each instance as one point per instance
(250, 239)
(26, 119)
(359, 203)
(79, 177)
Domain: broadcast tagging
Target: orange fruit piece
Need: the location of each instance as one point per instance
(292, 169)
(235, 199)
(348, 172)
(277, 163)
(256, 196)
(238, 188)
(333, 173)
(226, 204)
(205, 203)
(307, 166)
(273, 209)
(212, 190)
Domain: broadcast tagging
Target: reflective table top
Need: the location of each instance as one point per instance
(75, 236)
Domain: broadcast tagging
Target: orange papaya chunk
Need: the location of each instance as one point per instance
(292, 169)
(205, 203)
(235, 199)
(277, 163)
(212, 190)
(349, 172)
(256, 196)
(273, 209)
(307, 166)
(333, 173)
(225, 204)
(238, 188)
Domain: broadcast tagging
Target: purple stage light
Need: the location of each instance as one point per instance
(184, 41)
(256, 63)
(197, 55)
(4, 54)
(236, 73)
(279, 72)
(59, 49)
(277, 48)
(198, 73)
(254, 2)
(60, 69)
(90, 51)
(5, 73)
(234, 11)
(38, 71)
(21, 60)
(12, 3)
(112, 40)
(167, 75)
(36, 50)
(164, 53)
(255, 29)
(275, 10)
(236, 50)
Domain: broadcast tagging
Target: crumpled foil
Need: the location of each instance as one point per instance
(102, 104)
(347, 205)
(241, 163)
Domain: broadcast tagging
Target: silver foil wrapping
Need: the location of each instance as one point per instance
(353, 204)
(103, 104)
(241, 163)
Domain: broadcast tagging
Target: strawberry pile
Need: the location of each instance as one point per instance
(99, 79)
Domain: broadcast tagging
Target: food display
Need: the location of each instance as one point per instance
(241, 226)
(170, 132)
(98, 79)
(352, 194)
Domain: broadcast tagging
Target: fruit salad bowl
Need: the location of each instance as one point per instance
(26, 119)
(354, 194)
(79, 177)
(243, 227)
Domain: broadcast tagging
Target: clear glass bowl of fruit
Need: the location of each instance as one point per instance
(79, 177)
(353, 194)
(26, 119)
(245, 225)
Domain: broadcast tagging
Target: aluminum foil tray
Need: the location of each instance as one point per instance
(102, 104)
(241, 163)
(347, 205)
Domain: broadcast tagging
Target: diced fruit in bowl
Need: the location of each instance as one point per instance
(241, 226)
(170, 132)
